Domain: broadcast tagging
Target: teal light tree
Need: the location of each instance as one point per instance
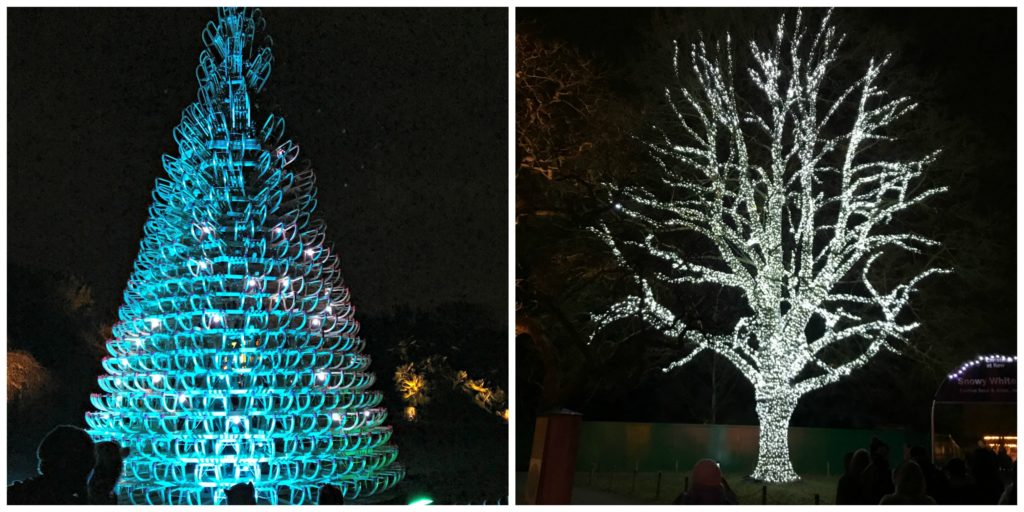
(236, 358)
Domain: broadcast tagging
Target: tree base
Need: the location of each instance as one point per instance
(754, 480)
(773, 463)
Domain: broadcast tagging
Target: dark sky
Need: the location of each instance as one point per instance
(960, 65)
(401, 112)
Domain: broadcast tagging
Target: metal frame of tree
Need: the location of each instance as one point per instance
(236, 357)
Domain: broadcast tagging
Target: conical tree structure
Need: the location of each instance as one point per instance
(236, 358)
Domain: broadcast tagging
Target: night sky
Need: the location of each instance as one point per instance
(401, 112)
(961, 67)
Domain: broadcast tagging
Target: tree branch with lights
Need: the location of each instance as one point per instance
(794, 189)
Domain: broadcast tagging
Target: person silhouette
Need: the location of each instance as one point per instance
(709, 486)
(935, 479)
(1009, 496)
(984, 468)
(962, 490)
(850, 488)
(877, 477)
(330, 495)
(910, 485)
(66, 458)
(241, 494)
(109, 465)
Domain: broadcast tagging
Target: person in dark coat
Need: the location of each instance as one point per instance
(1003, 459)
(66, 459)
(877, 477)
(984, 468)
(935, 479)
(850, 489)
(961, 485)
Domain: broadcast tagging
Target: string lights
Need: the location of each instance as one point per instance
(236, 358)
(781, 182)
(994, 358)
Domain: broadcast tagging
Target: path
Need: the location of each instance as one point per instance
(580, 495)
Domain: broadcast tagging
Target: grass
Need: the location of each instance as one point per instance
(456, 458)
(748, 493)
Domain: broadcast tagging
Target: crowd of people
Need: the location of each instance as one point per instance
(869, 480)
(73, 470)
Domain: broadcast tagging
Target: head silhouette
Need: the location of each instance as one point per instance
(859, 462)
(909, 479)
(879, 450)
(846, 461)
(919, 454)
(241, 494)
(706, 487)
(330, 495)
(66, 454)
(109, 465)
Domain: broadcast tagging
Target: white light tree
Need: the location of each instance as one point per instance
(785, 183)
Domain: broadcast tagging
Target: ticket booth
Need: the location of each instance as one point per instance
(553, 458)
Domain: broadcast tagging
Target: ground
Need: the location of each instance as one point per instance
(645, 490)
(619, 489)
(458, 461)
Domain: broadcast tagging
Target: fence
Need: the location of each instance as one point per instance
(673, 447)
(662, 487)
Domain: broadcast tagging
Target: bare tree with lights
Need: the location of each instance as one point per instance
(792, 189)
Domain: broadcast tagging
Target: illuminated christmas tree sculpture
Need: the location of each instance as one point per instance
(790, 185)
(236, 358)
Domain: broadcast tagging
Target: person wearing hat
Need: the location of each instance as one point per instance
(708, 488)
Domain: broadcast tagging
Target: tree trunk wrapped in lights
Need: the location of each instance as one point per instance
(236, 357)
(787, 185)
